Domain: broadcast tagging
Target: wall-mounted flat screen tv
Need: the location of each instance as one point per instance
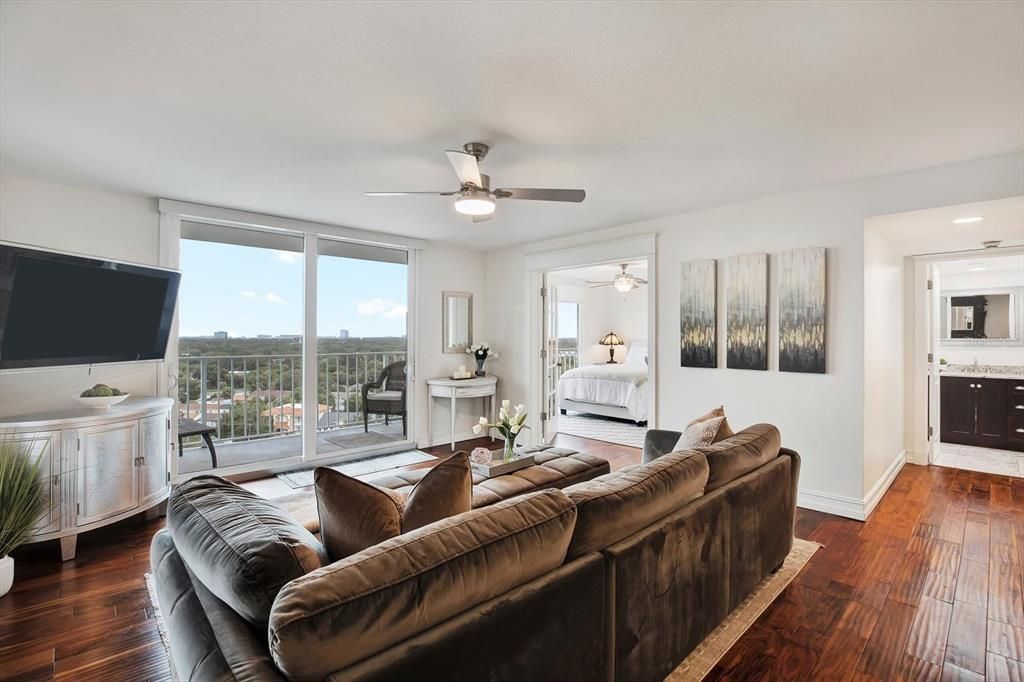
(58, 309)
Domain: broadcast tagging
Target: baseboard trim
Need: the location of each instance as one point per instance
(840, 505)
(851, 507)
(874, 495)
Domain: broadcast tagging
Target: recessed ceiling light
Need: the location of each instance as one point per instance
(976, 267)
(968, 220)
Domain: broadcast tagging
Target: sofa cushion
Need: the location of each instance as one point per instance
(445, 491)
(356, 607)
(722, 429)
(611, 509)
(242, 547)
(700, 434)
(745, 451)
(354, 515)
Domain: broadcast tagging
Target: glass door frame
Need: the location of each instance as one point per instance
(173, 213)
(311, 363)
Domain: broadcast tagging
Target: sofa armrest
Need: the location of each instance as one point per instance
(658, 442)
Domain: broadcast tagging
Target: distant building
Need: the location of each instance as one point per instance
(220, 335)
(343, 334)
(292, 337)
(264, 336)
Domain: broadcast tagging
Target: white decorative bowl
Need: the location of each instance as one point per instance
(102, 402)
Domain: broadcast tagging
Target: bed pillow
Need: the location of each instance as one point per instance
(637, 354)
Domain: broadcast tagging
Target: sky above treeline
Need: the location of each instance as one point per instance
(249, 291)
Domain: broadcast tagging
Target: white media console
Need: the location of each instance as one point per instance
(101, 466)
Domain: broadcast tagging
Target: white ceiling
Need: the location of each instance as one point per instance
(933, 230)
(654, 108)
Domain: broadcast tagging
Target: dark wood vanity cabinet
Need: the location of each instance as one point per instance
(983, 412)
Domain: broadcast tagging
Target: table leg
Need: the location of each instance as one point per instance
(491, 400)
(67, 547)
(430, 418)
(453, 423)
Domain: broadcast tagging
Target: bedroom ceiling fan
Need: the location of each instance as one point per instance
(475, 197)
(623, 281)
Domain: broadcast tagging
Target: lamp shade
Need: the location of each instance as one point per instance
(611, 339)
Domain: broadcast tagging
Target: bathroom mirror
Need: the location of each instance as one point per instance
(980, 316)
(456, 321)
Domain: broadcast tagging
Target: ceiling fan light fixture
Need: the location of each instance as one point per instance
(474, 201)
(624, 284)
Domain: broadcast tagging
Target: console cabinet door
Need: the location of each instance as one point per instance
(108, 483)
(45, 446)
(154, 437)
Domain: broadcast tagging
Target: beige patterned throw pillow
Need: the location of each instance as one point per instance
(724, 430)
(700, 434)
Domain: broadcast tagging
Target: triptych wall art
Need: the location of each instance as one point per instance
(698, 308)
(802, 295)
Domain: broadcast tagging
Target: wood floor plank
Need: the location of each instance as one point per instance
(965, 647)
(884, 650)
(1006, 640)
(928, 634)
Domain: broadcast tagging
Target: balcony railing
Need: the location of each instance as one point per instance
(568, 358)
(257, 396)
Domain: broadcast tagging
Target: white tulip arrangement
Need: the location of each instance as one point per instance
(511, 422)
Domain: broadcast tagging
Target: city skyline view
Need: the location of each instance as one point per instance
(250, 292)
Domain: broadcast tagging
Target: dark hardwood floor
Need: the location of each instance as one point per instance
(929, 588)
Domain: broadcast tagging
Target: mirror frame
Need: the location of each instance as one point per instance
(1016, 316)
(446, 296)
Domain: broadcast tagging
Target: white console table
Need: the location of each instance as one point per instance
(453, 389)
(100, 466)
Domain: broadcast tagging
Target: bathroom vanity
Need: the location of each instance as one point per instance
(983, 407)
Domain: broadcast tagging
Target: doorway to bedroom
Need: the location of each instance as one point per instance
(596, 351)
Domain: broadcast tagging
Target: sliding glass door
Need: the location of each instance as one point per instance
(361, 348)
(244, 332)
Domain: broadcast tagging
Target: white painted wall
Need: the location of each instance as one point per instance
(88, 222)
(884, 375)
(820, 416)
(123, 227)
(445, 267)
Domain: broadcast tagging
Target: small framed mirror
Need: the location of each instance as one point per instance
(456, 321)
(986, 317)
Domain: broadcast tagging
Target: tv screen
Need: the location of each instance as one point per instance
(57, 309)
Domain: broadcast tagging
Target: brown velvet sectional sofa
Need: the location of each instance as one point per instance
(615, 578)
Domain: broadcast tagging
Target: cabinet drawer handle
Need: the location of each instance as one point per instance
(1018, 407)
(1020, 430)
(56, 480)
(1018, 388)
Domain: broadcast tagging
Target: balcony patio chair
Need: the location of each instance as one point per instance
(388, 396)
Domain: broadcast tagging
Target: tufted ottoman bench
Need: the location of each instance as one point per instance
(554, 468)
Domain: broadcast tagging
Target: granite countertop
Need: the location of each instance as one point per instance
(1014, 372)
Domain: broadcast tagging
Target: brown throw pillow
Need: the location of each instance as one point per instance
(355, 515)
(723, 432)
(445, 491)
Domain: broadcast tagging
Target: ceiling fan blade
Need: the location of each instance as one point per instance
(409, 194)
(533, 194)
(466, 167)
(639, 281)
(482, 218)
(595, 285)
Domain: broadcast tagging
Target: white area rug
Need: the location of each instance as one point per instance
(360, 467)
(623, 433)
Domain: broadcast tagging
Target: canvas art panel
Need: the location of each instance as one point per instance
(802, 295)
(698, 314)
(747, 312)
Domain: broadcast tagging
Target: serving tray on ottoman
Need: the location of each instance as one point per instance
(497, 465)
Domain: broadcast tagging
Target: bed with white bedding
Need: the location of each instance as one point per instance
(608, 390)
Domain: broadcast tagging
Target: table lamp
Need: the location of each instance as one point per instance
(611, 339)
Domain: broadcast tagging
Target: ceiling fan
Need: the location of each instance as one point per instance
(623, 281)
(475, 196)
